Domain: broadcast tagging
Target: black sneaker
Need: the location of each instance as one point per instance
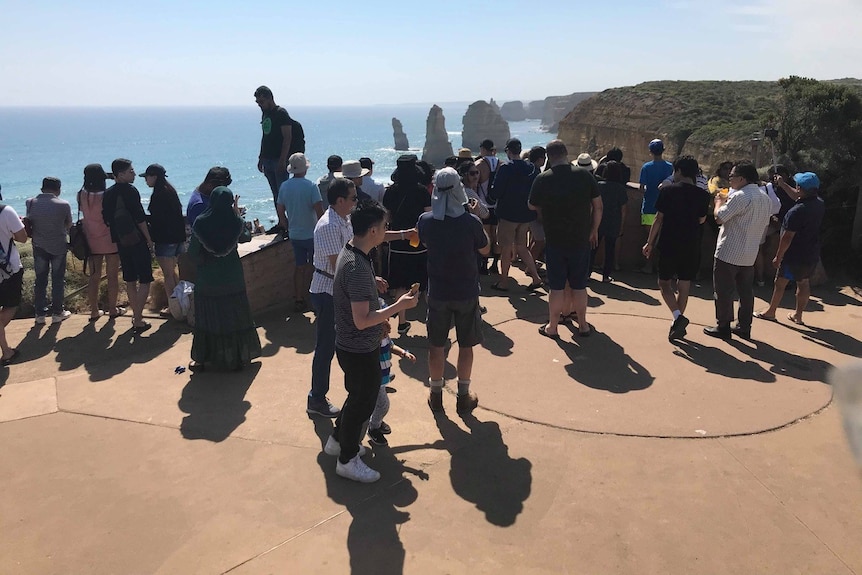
(717, 331)
(384, 428)
(739, 331)
(376, 437)
(403, 328)
(677, 330)
(321, 407)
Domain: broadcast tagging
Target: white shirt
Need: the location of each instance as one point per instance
(10, 223)
(743, 218)
(776, 203)
(330, 234)
(373, 188)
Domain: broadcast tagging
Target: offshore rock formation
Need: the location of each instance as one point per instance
(513, 111)
(535, 110)
(483, 120)
(556, 108)
(401, 143)
(437, 144)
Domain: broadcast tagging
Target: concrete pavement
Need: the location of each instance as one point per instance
(618, 453)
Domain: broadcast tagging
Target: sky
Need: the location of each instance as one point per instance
(341, 53)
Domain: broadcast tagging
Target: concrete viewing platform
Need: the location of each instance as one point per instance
(617, 453)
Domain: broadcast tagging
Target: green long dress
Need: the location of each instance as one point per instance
(224, 334)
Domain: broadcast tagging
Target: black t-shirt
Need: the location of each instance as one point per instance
(405, 202)
(614, 197)
(804, 219)
(271, 123)
(682, 206)
(132, 201)
(565, 194)
(167, 224)
(453, 273)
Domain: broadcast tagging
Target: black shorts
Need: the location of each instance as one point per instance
(463, 314)
(137, 263)
(491, 220)
(407, 269)
(682, 263)
(795, 271)
(10, 290)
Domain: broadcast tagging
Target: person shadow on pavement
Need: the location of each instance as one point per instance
(601, 363)
(719, 362)
(87, 346)
(377, 509)
(215, 403)
(481, 470)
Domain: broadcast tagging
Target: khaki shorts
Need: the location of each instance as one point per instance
(512, 233)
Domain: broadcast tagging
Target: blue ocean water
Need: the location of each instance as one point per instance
(39, 142)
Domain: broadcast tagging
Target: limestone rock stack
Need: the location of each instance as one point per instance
(437, 144)
(483, 121)
(401, 143)
(513, 111)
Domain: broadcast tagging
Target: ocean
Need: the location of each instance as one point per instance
(59, 142)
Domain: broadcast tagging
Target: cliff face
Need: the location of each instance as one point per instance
(556, 108)
(712, 121)
(513, 111)
(483, 120)
(437, 144)
(401, 142)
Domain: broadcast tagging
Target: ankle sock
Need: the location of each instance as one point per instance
(463, 386)
(437, 385)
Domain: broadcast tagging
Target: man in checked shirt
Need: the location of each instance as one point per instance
(331, 232)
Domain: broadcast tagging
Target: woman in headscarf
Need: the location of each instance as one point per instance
(99, 241)
(224, 334)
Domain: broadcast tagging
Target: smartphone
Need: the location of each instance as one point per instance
(414, 289)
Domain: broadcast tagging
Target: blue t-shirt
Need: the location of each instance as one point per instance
(804, 219)
(298, 196)
(196, 206)
(652, 174)
(453, 269)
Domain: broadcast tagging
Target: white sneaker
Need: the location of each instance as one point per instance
(40, 320)
(332, 447)
(356, 470)
(58, 317)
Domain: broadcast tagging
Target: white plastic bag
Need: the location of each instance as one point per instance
(180, 302)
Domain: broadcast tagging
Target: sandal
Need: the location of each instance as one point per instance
(543, 330)
(793, 318)
(96, 317)
(118, 312)
(762, 315)
(196, 367)
(139, 329)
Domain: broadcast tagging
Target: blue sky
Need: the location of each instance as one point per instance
(97, 53)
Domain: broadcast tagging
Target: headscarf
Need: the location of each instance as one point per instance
(218, 228)
(448, 197)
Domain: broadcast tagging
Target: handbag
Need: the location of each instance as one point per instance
(77, 239)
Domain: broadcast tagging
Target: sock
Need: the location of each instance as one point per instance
(463, 386)
(437, 385)
(676, 315)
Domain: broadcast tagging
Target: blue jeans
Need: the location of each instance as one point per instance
(42, 261)
(274, 176)
(324, 344)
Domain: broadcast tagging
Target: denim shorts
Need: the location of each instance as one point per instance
(169, 250)
(303, 251)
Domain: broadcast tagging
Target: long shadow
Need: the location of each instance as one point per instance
(621, 292)
(496, 341)
(830, 295)
(215, 403)
(783, 363)
(39, 341)
(103, 361)
(601, 363)
(295, 330)
(481, 470)
(639, 282)
(373, 541)
(830, 339)
(418, 370)
(717, 361)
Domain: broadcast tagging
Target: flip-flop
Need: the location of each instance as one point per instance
(586, 333)
(9, 360)
(792, 318)
(498, 287)
(543, 330)
(138, 329)
(120, 311)
(759, 315)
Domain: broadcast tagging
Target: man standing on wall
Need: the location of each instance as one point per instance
(275, 141)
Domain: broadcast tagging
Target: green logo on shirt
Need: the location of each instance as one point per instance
(267, 125)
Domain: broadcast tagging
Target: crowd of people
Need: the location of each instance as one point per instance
(366, 252)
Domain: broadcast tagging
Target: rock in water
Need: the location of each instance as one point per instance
(401, 142)
(513, 111)
(483, 121)
(437, 144)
